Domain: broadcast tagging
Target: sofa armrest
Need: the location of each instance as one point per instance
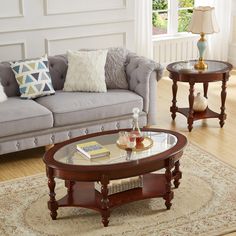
(143, 75)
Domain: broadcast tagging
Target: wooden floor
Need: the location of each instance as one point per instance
(206, 133)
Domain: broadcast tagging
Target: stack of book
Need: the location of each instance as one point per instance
(120, 185)
(92, 150)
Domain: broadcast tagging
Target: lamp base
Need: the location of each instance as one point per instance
(201, 44)
(200, 65)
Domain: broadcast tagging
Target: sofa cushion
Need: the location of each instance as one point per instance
(20, 116)
(86, 71)
(115, 68)
(33, 77)
(71, 108)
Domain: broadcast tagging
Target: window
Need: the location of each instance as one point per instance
(171, 16)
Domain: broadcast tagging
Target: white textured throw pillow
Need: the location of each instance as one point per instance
(3, 96)
(86, 71)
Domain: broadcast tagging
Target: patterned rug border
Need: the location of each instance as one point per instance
(212, 155)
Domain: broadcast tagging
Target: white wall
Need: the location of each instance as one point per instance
(232, 47)
(31, 28)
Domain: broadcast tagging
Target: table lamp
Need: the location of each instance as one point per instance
(203, 22)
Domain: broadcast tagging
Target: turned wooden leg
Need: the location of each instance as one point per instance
(205, 89)
(52, 203)
(169, 194)
(105, 201)
(69, 185)
(177, 174)
(174, 108)
(190, 99)
(222, 116)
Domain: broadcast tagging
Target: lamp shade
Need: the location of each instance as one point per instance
(203, 21)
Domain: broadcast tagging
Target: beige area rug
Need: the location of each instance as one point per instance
(204, 204)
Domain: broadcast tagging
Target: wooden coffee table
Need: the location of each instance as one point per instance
(64, 162)
(217, 71)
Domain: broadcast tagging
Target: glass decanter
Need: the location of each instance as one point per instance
(136, 130)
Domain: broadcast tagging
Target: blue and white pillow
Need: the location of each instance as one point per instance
(33, 78)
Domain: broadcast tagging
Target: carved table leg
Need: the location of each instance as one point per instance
(177, 174)
(169, 194)
(105, 201)
(191, 99)
(69, 186)
(52, 203)
(222, 116)
(205, 88)
(174, 108)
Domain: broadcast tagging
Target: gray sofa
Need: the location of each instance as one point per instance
(26, 124)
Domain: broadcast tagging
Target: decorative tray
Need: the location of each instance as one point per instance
(144, 145)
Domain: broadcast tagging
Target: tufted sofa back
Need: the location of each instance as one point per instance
(57, 66)
(8, 81)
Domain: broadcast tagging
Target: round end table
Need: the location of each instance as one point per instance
(184, 72)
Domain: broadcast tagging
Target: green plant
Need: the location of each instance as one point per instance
(184, 19)
(159, 4)
(158, 21)
(186, 3)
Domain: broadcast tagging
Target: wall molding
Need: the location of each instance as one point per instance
(48, 13)
(21, 43)
(49, 41)
(94, 23)
(69, 26)
(21, 11)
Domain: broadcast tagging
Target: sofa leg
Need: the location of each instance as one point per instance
(48, 147)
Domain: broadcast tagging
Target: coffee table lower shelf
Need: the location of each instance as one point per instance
(84, 195)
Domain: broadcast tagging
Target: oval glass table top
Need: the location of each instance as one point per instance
(68, 154)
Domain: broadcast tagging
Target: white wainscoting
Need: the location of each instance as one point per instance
(11, 8)
(31, 28)
(13, 50)
(76, 6)
(181, 48)
(60, 45)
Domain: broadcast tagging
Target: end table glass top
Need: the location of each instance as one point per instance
(188, 66)
(69, 155)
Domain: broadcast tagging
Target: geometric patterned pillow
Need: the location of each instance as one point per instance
(33, 78)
